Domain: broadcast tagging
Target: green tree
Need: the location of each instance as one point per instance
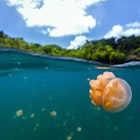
(117, 57)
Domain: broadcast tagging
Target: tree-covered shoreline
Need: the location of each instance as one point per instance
(109, 51)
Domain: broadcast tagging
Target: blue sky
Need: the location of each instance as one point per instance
(69, 23)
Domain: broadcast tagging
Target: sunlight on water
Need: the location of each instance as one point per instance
(48, 98)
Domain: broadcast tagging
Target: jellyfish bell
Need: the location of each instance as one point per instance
(105, 78)
(117, 95)
(114, 94)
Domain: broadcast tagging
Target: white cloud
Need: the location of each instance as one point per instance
(129, 29)
(77, 42)
(60, 17)
(116, 31)
(44, 31)
(133, 24)
(132, 31)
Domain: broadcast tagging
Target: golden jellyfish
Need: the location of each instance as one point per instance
(43, 109)
(113, 93)
(53, 113)
(79, 129)
(19, 113)
(69, 138)
(32, 115)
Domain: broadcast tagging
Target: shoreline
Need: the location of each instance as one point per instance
(105, 51)
(99, 64)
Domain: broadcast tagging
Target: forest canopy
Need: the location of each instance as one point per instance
(109, 51)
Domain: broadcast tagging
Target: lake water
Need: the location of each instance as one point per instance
(38, 85)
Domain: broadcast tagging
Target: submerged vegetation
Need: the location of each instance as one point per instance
(110, 51)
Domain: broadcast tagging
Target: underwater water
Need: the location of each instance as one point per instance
(47, 98)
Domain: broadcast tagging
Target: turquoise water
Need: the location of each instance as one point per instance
(38, 85)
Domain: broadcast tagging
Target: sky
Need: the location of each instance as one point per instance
(69, 23)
